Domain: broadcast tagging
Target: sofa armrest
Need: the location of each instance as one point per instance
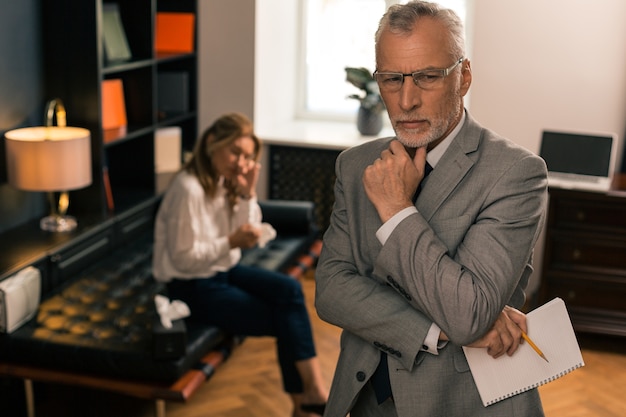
(296, 231)
(290, 217)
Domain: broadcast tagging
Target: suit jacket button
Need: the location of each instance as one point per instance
(360, 376)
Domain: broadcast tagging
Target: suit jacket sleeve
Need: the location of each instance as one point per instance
(468, 253)
(347, 294)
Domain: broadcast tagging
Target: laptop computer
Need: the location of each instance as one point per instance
(580, 161)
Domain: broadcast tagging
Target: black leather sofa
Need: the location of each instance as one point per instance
(102, 320)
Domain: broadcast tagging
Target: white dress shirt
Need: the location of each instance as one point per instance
(191, 230)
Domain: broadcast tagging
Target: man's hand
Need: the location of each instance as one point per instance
(391, 180)
(505, 335)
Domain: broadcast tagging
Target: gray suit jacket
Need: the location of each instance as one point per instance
(457, 262)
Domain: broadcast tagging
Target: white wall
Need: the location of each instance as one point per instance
(276, 62)
(557, 64)
(226, 31)
(549, 64)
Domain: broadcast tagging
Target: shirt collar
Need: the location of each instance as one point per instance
(435, 154)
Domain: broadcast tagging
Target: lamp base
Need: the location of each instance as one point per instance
(58, 223)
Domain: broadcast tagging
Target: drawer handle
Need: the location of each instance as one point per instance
(576, 254)
(580, 216)
(62, 264)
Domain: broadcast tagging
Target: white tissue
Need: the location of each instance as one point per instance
(170, 311)
(267, 233)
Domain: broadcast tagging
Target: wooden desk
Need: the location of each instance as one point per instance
(585, 257)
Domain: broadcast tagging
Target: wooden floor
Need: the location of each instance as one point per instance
(248, 384)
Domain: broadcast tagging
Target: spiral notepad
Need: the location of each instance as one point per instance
(549, 326)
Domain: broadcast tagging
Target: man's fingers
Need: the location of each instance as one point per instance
(517, 317)
(419, 159)
(397, 148)
(495, 347)
(514, 320)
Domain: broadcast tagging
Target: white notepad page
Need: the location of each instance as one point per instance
(549, 326)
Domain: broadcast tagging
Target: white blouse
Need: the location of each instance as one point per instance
(191, 230)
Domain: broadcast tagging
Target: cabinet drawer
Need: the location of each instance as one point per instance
(590, 214)
(135, 224)
(587, 253)
(82, 253)
(605, 294)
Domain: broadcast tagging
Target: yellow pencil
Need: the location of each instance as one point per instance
(534, 346)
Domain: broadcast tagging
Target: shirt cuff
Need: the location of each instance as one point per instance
(386, 229)
(431, 343)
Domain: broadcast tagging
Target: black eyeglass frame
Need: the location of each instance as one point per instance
(419, 76)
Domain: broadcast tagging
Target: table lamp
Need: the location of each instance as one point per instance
(54, 159)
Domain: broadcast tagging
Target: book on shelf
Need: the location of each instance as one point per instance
(108, 192)
(114, 37)
(175, 32)
(173, 92)
(167, 149)
(114, 118)
(550, 328)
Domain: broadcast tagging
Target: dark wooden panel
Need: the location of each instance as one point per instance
(585, 257)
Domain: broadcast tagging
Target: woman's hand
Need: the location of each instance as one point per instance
(247, 179)
(245, 237)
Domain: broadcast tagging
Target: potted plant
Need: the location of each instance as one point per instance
(370, 115)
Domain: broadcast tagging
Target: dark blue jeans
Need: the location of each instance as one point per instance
(250, 301)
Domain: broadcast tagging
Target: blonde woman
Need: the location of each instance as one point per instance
(208, 215)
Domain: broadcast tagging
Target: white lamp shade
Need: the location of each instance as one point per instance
(48, 158)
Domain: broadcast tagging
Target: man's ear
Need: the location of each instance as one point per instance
(466, 77)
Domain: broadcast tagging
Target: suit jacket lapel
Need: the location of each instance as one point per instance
(450, 170)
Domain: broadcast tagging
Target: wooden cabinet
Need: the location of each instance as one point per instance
(585, 258)
(76, 64)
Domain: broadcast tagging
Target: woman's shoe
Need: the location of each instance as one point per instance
(313, 408)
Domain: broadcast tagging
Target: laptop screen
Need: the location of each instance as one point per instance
(575, 153)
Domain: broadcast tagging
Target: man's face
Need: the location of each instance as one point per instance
(422, 116)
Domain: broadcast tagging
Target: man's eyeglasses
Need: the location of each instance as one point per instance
(425, 79)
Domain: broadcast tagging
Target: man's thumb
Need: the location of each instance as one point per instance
(419, 159)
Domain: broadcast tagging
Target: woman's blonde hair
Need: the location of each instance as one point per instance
(222, 133)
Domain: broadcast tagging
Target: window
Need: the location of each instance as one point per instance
(338, 34)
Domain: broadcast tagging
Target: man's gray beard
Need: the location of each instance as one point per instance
(434, 134)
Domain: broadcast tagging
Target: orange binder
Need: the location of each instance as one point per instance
(175, 32)
(113, 105)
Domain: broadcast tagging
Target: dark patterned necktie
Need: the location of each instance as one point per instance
(427, 170)
(380, 378)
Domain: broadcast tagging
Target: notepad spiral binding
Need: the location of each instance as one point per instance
(540, 383)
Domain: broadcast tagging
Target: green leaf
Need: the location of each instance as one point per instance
(358, 77)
